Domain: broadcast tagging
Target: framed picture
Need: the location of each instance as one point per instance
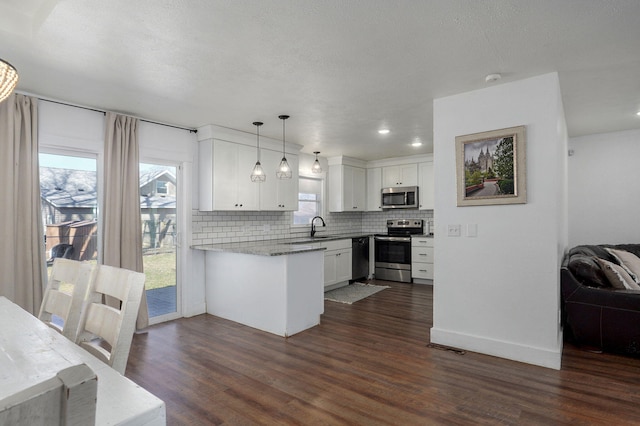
(491, 167)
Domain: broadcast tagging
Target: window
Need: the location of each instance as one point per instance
(309, 200)
(161, 187)
(69, 199)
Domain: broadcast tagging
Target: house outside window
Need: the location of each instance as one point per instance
(310, 201)
(161, 187)
(68, 196)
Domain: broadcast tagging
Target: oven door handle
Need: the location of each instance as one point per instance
(400, 239)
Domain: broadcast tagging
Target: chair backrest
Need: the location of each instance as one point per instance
(65, 294)
(106, 329)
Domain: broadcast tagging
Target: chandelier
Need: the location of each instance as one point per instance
(8, 79)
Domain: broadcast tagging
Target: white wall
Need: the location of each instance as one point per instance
(498, 293)
(72, 130)
(604, 188)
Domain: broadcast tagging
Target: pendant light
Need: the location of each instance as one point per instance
(257, 175)
(284, 170)
(8, 79)
(316, 168)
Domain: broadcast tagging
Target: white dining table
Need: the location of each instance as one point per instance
(32, 352)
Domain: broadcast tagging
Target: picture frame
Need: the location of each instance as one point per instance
(491, 167)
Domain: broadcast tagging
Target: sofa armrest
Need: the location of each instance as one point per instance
(601, 317)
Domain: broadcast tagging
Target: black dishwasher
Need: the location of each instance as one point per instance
(360, 258)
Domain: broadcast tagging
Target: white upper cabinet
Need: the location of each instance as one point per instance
(347, 188)
(278, 194)
(426, 188)
(374, 188)
(224, 170)
(403, 175)
(225, 161)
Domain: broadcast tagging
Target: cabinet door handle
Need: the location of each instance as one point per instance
(422, 254)
(422, 270)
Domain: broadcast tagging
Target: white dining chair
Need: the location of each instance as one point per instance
(107, 331)
(64, 296)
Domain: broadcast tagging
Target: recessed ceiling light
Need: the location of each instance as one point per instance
(638, 113)
(416, 143)
(383, 131)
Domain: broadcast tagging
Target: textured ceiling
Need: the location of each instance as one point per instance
(340, 68)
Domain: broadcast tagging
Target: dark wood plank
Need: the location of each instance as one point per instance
(369, 363)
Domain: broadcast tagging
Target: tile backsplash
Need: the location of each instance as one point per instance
(226, 227)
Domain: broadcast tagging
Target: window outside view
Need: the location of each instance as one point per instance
(69, 198)
(158, 203)
(309, 200)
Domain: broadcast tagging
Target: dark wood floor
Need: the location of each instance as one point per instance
(369, 363)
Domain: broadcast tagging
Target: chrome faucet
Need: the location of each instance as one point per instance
(313, 226)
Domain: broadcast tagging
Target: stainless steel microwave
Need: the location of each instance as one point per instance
(401, 197)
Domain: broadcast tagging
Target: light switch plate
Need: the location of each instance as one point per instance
(453, 230)
(472, 230)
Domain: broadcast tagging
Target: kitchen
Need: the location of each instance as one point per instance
(341, 67)
(353, 206)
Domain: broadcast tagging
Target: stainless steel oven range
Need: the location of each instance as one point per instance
(393, 249)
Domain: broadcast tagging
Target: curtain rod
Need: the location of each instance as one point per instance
(104, 112)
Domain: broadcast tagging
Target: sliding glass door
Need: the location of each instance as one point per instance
(159, 216)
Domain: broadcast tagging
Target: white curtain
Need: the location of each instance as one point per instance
(121, 223)
(22, 265)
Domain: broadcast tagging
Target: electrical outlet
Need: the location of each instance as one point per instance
(453, 230)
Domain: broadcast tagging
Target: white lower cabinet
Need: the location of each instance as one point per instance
(337, 262)
(421, 259)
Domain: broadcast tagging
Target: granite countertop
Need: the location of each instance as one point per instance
(279, 247)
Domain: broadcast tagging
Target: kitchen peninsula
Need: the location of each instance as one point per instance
(273, 286)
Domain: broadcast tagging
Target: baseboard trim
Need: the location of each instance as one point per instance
(508, 350)
(193, 310)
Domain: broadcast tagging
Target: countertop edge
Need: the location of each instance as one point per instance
(276, 247)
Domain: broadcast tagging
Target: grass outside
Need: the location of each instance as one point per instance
(160, 270)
